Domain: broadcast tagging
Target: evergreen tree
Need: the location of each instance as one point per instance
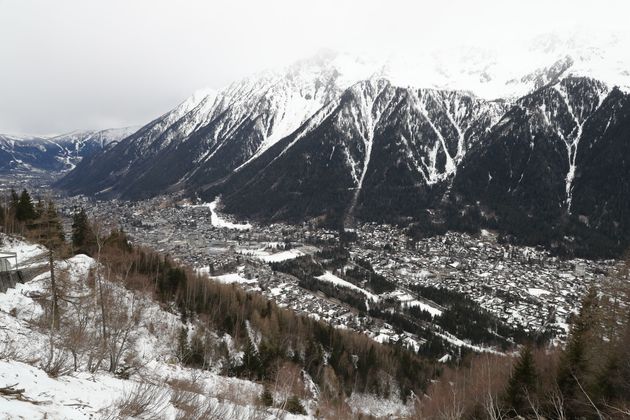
(15, 200)
(573, 365)
(251, 362)
(183, 350)
(197, 351)
(40, 209)
(25, 210)
(55, 227)
(522, 384)
(294, 406)
(83, 238)
(266, 398)
(118, 239)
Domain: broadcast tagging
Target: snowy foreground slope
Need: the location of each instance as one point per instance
(149, 370)
(83, 394)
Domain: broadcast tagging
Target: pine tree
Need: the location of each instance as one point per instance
(183, 349)
(573, 367)
(266, 398)
(25, 210)
(294, 406)
(55, 229)
(197, 351)
(251, 361)
(40, 209)
(522, 384)
(15, 200)
(83, 238)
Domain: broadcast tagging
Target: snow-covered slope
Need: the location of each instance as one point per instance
(214, 133)
(78, 391)
(122, 359)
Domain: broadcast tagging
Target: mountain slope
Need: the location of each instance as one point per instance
(55, 154)
(214, 133)
(602, 179)
(554, 162)
(338, 139)
(378, 147)
(209, 136)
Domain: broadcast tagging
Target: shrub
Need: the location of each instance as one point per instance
(294, 406)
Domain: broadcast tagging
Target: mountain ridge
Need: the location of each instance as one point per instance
(55, 153)
(308, 143)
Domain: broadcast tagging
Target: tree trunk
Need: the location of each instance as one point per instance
(53, 291)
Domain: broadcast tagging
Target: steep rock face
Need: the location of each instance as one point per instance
(378, 148)
(419, 147)
(527, 168)
(601, 188)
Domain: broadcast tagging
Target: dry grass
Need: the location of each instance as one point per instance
(205, 410)
(233, 392)
(57, 364)
(186, 397)
(142, 401)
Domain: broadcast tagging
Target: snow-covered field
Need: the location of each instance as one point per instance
(218, 221)
(269, 255)
(407, 300)
(331, 278)
(534, 291)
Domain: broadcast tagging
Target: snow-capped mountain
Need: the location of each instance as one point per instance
(513, 70)
(342, 137)
(214, 133)
(376, 146)
(58, 153)
(558, 156)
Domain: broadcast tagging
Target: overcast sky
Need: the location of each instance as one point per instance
(79, 64)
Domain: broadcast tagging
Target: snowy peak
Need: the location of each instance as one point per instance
(515, 69)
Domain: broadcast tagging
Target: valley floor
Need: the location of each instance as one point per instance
(524, 287)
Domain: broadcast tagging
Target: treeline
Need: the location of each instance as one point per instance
(37, 220)
(306, 270)
(464, 318)
(588, 379)
(364, 275)
(563, 235)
